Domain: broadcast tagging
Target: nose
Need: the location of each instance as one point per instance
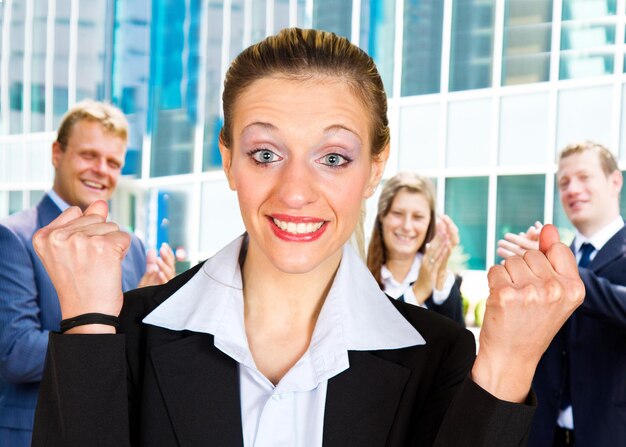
(100, 166)
(406, 222)
(297, 185)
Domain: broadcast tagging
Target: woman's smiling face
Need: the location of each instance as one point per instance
(301, 164)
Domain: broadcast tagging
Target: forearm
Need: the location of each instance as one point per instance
(603, 298)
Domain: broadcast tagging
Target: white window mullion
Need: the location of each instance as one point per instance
(27, 67)
(73, 54)
(49, 76)
(4, 68)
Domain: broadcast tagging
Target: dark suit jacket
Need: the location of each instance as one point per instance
(452, 307)
(593, 342)
(182, 391)
(29, 309)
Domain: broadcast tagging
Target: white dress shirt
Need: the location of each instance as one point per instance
(356, 315)
(598, 240)
(396, 289)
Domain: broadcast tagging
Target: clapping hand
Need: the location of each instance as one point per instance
(434, 268)
(159, 269)
(518, 244)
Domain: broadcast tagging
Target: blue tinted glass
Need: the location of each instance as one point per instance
(471, 44)
(130, 73)
(520, 203)
(60, 97)
(527, 41)
(421, 52)
(91, 47)
(174, 64)
(377, 36)
(38, 67)
(467, 204)
(331, 15)
(212, 120)
(16, 64)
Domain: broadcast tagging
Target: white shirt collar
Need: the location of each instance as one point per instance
(58, 201)
(601, 237)
(390, 282)
(356, 314)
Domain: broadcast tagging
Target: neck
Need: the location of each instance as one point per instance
(592, 228)
(399, 266)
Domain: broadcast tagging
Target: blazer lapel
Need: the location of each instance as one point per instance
(613, 249)
(47, 211)
(362, 402)
(200, 386)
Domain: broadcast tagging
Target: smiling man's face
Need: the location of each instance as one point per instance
(88, 168)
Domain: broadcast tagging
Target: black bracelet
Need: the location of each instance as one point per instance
(91, 318)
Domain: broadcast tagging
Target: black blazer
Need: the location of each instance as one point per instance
(182, 391)
(452, 307)
(593, 341)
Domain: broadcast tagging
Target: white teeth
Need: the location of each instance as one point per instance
(93, 185)
(299, 228)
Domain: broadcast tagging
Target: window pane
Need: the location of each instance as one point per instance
(331, 15)
(16, 66)
(520, 203)
(218, 228)
(472, 44)
(377, 37)
(419, 137)
(38, 66)
(469, 133)
(584, 114)
(623, 128)
(466, 204)
(91, 46)
(523, 129)
(35, 196)
(304, 15)
(560, 220)
(169, 221)
(587, 38)
(213, 122)
(15, 201)
(587, 9)
(527, 40)
(61, 61)
(131, 68)
(281, 14)
(173, 85)
(259, 10)
(2, 24)
(421, 52)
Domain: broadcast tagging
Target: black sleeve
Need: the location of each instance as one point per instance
(85, 382)
(452, 307)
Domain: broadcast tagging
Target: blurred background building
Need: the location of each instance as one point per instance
(482, 95)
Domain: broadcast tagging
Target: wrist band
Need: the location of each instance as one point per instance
(90, 318)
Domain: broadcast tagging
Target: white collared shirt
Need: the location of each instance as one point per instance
(396, 289)
(598, 240)
(356, 315)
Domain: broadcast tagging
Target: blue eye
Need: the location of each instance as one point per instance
(334, 160)
(264, 156)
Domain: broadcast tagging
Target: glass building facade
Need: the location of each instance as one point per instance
(482, 95)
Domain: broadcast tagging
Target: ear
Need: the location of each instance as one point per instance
(378, 168)
(617, 181)
(227, 162)
(57, 154)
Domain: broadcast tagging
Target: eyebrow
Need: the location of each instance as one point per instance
(332, 129)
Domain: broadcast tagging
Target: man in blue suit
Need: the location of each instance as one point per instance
(581, 379)
(87, 155)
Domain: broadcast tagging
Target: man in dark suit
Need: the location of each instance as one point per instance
(87, 155)
(581, 379)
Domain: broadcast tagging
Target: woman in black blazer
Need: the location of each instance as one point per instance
(283, 337)
(410, 247)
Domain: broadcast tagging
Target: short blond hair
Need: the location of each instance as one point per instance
(108, 116)
(606, 157)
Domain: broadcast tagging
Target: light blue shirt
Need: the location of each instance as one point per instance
(58, 201)
(356, 315)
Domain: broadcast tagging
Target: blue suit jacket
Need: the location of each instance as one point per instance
(593, 341)
(29, 309)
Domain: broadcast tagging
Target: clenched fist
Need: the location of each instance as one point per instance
(82, 254)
